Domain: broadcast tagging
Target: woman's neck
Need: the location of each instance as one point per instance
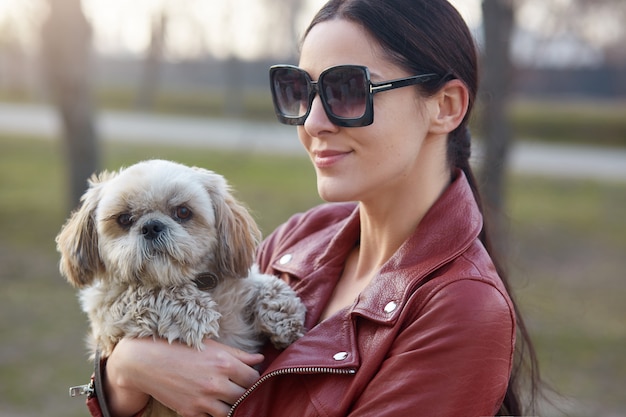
(387, 223)
(387, 220)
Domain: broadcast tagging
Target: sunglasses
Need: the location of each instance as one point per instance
(346, 92)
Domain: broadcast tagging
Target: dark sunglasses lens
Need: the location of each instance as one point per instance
(291, 91)
(345, 91)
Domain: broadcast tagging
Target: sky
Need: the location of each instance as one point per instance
(124, 25)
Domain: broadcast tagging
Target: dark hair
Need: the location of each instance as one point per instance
(430, 36)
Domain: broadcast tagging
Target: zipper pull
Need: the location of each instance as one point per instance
(82, 390)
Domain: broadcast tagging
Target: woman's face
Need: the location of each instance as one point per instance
(372, 162)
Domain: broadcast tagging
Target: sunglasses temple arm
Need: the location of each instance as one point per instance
(401, 82)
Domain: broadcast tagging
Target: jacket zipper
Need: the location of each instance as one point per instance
(301, 370)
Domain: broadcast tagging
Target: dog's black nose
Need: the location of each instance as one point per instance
(152, 229)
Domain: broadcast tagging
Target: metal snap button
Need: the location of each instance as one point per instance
(285, 259)
(340, 356)
(391, 307)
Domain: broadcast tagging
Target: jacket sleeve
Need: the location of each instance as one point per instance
(94, 407)
(96, 403)
(454, 359)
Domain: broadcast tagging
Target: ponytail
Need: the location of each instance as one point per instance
(459, 152)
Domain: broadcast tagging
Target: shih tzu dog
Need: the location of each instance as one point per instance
(163, 250)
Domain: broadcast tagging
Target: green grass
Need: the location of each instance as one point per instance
(581, 122)
(567, 263)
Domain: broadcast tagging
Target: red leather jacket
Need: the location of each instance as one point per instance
(432, 335)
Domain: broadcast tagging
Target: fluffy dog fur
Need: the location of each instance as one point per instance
(138, 244)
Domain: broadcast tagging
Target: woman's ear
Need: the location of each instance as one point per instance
(451, 104)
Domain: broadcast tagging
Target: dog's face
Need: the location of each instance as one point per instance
(157, 223)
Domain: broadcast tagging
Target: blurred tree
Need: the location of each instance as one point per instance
(282, 31)
(280, 38)
(598, 21)
(19, 23)
(149, 82)
(498, 20)
(233, 103)
(13, 61)
(66, 52)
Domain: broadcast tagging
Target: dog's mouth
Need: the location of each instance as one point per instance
(167, 263)
(156, 267)
(153, 252)
(160, 253)
(163, 256)
(160, 246)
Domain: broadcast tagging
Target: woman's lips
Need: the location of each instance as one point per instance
(328, 158)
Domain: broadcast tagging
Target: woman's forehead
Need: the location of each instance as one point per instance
(339, 42)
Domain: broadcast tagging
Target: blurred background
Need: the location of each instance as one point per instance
(99, 84)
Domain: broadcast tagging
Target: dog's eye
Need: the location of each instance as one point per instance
(125, 220)
(182, 213)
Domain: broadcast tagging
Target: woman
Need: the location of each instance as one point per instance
(408, 312)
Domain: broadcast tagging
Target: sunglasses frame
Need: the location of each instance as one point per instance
(368, 115)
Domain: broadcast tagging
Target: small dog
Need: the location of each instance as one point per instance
(164, 250)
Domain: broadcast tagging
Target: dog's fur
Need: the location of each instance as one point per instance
(139, 241)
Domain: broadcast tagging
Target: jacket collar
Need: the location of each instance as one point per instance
(446, 231)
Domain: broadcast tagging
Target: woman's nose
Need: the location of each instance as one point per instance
(317, 121)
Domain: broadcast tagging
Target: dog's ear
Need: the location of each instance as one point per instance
(237, 233)
(239, 237)
(78, 239)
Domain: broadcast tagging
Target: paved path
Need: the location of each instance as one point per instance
(526, 157)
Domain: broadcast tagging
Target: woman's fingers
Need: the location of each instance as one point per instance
(235, 363)
(192, 382)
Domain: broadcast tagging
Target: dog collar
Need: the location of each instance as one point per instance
(206, 281)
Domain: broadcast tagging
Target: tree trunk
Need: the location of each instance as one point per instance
(149, 82)
(498, 19)
(234, 93)
(66, 55)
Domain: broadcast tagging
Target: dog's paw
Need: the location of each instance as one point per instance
(281, 314)
(287, 329)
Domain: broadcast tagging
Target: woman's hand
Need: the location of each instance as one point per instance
(192, 382)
